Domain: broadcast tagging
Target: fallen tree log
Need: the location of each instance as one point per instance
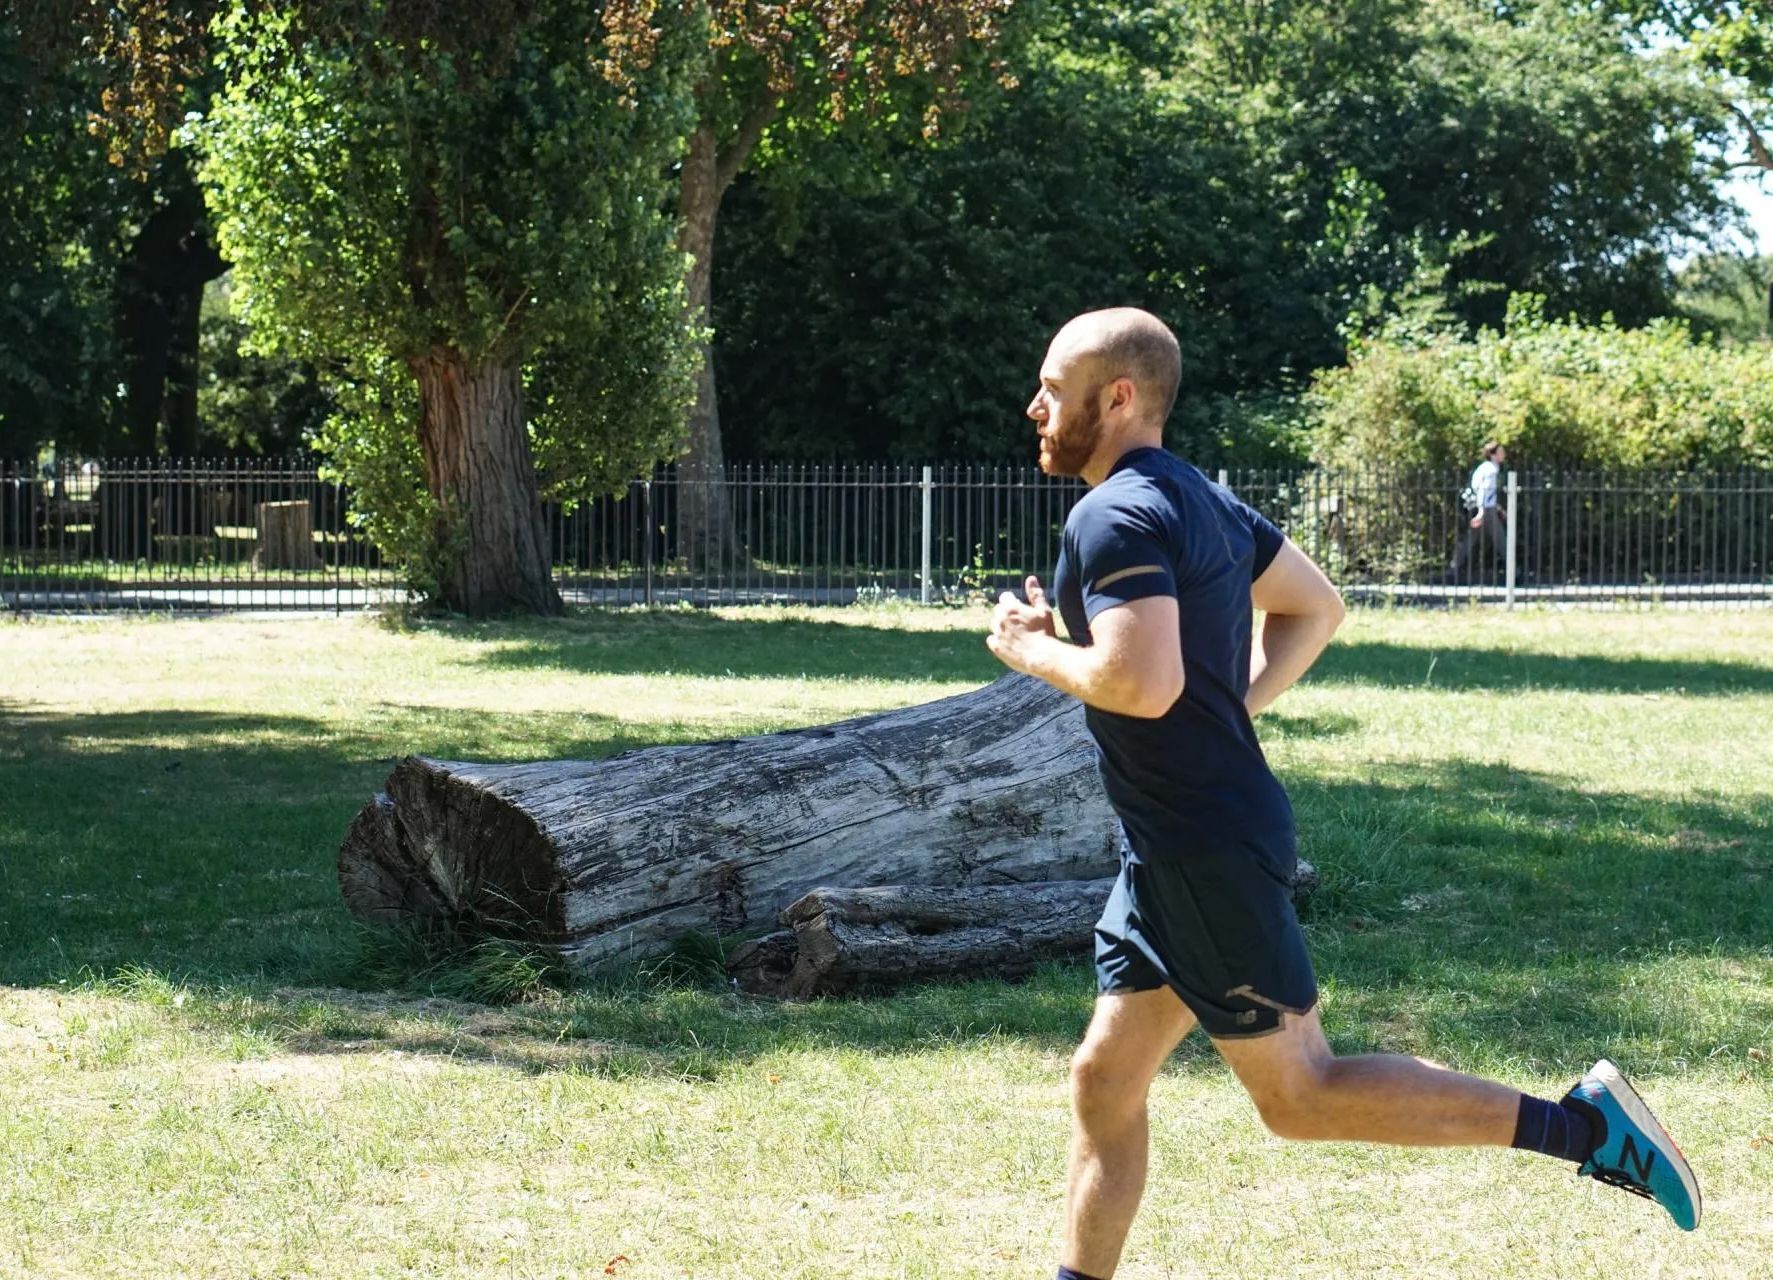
(617, 859)
(840, 939)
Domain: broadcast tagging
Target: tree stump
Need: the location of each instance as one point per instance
(286, 537)
(617, 859)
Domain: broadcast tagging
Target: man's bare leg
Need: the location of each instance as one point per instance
(1302, 1090)
(1130, 1035)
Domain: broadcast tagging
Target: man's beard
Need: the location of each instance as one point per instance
(1067, 452)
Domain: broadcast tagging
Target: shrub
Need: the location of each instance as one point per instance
(1559, 394)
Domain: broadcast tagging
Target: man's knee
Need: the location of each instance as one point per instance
(1105, 1088)
(1297, 1105)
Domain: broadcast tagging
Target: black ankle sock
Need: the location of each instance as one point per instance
(1553, 1129)
(1066, 1273)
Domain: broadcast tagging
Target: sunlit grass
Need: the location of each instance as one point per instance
(1543, 838)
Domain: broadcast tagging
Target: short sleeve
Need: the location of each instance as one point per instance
(1268, 540)
(1120, 558)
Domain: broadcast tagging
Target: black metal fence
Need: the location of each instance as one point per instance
(270, 534)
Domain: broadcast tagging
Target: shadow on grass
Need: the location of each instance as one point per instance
(1328, 724)
(206, 843)
(1474, 667)
(841, 646)
(1470, 912)
(703, 644)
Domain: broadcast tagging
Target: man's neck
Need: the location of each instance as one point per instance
(1109, 453)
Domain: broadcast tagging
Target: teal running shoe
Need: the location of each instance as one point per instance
(1631, 1150)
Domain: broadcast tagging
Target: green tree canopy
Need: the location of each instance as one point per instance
(62, 214)
(1729, 294)
(1730, 44)
(1256, 173)
(467, 221)
(771, 76)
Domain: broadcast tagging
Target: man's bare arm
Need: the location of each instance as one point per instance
(1132, 667)
(1301, 610)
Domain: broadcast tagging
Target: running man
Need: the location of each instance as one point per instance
(1156, 578)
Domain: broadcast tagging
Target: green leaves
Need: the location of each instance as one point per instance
(1255, 173)
(389, 189)
(64, 211)
(1558, 393)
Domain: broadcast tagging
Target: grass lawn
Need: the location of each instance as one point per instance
(1543, 837)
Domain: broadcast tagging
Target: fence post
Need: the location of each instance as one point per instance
(924, 593)
(1224, 478)
(646, 499)
(1513, 521)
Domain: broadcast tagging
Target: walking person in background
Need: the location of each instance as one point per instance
(1158, 571)
(1489, 519)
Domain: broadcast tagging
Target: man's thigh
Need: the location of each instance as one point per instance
(1280, 1061)
(1213, 921)
(1132, 1032)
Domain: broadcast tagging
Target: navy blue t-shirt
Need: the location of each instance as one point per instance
(1157, 526)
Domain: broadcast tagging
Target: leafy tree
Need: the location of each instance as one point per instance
(924, 293)
(1261, 174)
(1537, 136)
(110, 284)
(1731, 43)
(247, 402)
(776, 73)
(1574, 162)
(1729, 294)
(60, 238)
(1557, 392)
(459, 211)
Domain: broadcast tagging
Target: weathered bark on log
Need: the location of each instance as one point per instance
(842, 939)
(836, 940)
(615, 860)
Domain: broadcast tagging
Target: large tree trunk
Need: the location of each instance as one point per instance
(180, 409)
(145, 336)
(705, 535)
(159, 294)
(617, 859)
(479, 469)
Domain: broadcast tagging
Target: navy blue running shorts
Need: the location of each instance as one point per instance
(1214, 921)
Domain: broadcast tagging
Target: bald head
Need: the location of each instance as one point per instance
(1125, 342)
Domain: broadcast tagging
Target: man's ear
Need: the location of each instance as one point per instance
(1122, 393)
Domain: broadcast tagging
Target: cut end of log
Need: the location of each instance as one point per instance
(438, 851)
